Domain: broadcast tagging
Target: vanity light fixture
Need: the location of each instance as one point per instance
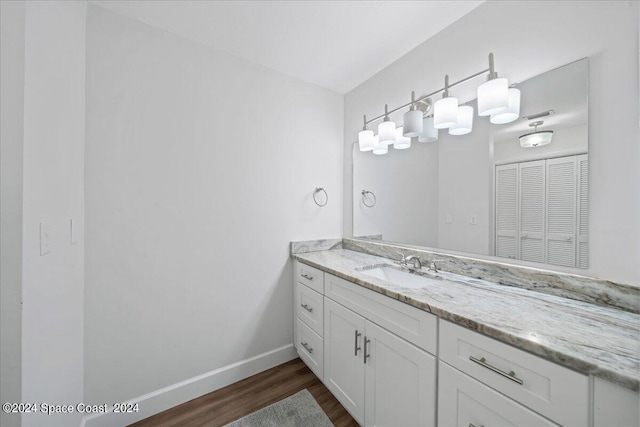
(387, 129)
(402, 142)
(365, 137)
(536, 138)
(512, 112)
(412, 120)
(464, 123)
(495, 99)
(379, 148)
(445, 110)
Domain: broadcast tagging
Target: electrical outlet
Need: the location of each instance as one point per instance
(46, 244)
(473, 220)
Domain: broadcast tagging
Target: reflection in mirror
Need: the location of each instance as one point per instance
(499, 190)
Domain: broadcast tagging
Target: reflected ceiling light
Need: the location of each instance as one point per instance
(493, 95)
(535, 138)
(387, 129)
(495, 99)
(412, 120)
(402, 142)
(365, 137)
(464, 124)
(511, 113)
(378, 147)
(429, 132)
(445, 110)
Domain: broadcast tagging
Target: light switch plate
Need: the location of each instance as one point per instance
(473, 220)
(46, 244)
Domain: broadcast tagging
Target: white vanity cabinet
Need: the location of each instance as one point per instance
(380, 378)
(309, 311)
(527, 381)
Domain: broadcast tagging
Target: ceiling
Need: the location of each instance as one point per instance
(333, 44)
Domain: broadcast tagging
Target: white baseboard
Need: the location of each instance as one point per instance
(170, 396)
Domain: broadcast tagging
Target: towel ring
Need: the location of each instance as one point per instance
(364, 196)
(326, 196)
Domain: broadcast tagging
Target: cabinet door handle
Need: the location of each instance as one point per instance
(306, 347)
(307, 276)
(306, 307)
(355, 345)
(509, 375)
(472, 425)
(366, 356)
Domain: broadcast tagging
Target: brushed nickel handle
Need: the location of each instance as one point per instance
(306, 347)
(509, 375)
(306, 307)
(355, 345)
(307, 276)
(366, 356)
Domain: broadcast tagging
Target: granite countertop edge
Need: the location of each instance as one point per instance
(579, 364)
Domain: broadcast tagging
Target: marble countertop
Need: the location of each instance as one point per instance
(595, 340)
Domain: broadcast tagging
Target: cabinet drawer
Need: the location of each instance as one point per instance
(310, 276)
(414, 325)
(550, 389)
(463, 402)
(309, 307)
(310, 348)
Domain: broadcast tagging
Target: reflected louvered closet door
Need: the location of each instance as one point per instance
(507, 211)
(561, 211)
(583, 211)
(532, 211)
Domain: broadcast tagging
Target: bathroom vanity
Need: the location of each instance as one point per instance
(424, 348)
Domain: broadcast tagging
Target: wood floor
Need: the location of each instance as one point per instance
(244, 397)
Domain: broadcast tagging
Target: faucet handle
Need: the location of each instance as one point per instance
(403, 261)
(433, 266)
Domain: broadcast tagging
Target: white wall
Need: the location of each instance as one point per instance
(11, 145)
(529, 38)
(200, 169)
(52, 284)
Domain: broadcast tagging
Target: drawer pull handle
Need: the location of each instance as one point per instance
(355, 346)
(366, 356)
(307, 276)
(510, 375)
(472, 425)
(306, 307)
(306, 347)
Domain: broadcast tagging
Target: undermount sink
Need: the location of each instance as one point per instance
(399, 276)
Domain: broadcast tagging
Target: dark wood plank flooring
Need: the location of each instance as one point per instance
(244, 397)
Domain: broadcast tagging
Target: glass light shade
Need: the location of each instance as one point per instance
(536, 139)
(512, 112)
(365, 140)
(429, 133)
(493, 96)
(378, 147)
(412, 123)
(445, 112)
(465, 121)
(402, 142)
(387, 132)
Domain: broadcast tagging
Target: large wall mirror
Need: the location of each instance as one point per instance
(484, 192)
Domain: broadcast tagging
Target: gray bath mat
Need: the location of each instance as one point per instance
(299, 410)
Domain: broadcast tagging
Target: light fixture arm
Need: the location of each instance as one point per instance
(445, 94)
(492, 74)
(365, 123)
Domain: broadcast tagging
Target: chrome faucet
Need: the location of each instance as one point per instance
(416, 264)
(415, 260)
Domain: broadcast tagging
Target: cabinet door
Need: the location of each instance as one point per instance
(532, 211)
(507, 211)
(463, 402)
(561, 211)
(343, 357)
(400, 382)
